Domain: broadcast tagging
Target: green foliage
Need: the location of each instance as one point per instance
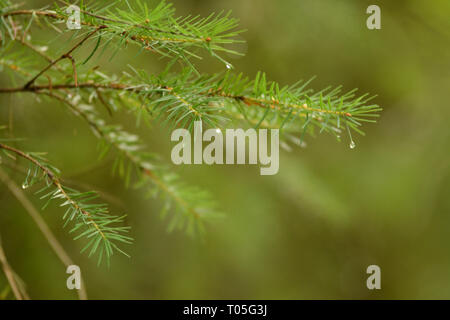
(157, 30)
(89, 220)
(176, 97)
(189, 205)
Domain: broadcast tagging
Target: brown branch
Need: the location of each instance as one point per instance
(249, 101)
(102, 100)
(75, 77)
(55, 181)
(66, 55)
(36, 88)
(36, 12)
(22, 154)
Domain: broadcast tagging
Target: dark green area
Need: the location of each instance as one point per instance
(308, 232)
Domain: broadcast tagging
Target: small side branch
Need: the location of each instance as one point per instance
(133, 158)
(66, 55)
(55, 181)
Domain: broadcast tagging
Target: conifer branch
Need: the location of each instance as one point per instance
(158, 30)
(66, 55)
(192, 203)
(189, 201)
(91, 221)
(327, 108)
(176, 98)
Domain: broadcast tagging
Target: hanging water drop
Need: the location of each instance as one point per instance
(229, 66)
(25, 185)
(352, 144)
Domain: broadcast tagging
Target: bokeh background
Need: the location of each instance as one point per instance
(307, 233)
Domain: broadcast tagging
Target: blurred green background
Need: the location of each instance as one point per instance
(309, 232)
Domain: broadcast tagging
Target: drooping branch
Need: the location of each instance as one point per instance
(116, 138)
(94, 218)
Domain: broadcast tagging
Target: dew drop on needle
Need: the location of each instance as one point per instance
(352, 144)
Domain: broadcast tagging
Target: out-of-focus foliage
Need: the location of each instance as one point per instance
(308, 232)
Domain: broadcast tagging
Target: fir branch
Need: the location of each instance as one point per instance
(176, 99)
(191, 205)
(184, 97)
(157, 30)
(91, 221)
(203, 98)
(66, 55)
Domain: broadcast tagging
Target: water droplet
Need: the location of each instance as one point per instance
(229, 66)
(352, 144)
(25, 185)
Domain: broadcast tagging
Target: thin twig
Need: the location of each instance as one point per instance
(100, 98)
(9, 273)
(36, 12)
(66, 55)
(55, 181)
(70, 182)
(130, 156)
(75, 77)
